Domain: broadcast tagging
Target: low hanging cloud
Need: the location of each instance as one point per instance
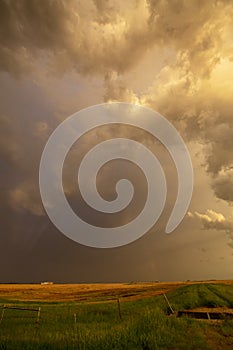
(212, 220)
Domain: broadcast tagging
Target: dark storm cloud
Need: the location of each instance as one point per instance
(107, 40)
(89, 37)
(97, 36)
(223, 186)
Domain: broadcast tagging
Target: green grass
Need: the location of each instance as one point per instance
(144, 325)
(198, 295)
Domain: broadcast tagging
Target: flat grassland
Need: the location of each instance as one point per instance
(87, 316)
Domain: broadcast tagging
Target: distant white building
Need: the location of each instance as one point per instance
(46, 283)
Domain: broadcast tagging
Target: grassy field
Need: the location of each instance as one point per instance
(145, 323)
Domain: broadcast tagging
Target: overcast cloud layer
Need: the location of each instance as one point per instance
(57, 57)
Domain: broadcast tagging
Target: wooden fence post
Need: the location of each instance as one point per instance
(119, 308)
(168, 303)
(75, 320)
(38, 315)
(21, 308)
(3, 310)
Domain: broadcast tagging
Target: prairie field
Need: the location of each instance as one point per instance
(115, 316)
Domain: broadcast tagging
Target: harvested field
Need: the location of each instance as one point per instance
(92, 292)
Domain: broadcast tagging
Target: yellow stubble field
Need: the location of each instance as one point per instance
(91, 292)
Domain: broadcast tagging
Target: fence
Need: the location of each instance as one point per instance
(10, 307)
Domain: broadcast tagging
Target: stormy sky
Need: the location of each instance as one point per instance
(60, 56)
